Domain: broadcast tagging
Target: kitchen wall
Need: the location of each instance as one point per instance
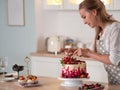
(66, 23)
(17, 41)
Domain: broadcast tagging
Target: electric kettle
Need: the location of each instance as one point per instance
(54, 44)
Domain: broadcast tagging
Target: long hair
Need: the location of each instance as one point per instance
(102, 14)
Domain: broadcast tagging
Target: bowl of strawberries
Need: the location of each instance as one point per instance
(93, 86)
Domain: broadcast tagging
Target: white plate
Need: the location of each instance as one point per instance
(72, 79)
(9, 79)
(29, 85)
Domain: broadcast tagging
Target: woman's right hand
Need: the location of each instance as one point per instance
(82, 52)
(78, 52)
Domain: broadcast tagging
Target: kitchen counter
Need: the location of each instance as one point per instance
(45, 54)
(49, 84)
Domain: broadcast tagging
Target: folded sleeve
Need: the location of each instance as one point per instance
(115, 46)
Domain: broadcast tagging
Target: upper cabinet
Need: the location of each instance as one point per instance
(53, 4)
(61, 4)
(116, 5)
(109, 4)
(73, 4)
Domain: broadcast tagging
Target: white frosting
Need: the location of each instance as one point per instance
(22, 81)
(30, 81)
(75, 66)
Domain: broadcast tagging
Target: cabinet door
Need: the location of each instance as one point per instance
(109, 4)
(74, 4)
(116, 5)
(44, 66)
(96, 71)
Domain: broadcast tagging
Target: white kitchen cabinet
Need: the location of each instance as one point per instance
(51, 67)
(96, 71)
(45, 66)
(64, 5)
(53, 5)
(109, 4)
(73, 4)
(116, 5)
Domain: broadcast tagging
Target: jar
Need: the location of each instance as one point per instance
(68, 43)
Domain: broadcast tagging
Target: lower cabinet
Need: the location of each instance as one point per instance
(96, 71)
(46, 66)
(51, 67)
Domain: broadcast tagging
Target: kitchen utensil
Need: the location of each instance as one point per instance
(3, 65)
(27, 60)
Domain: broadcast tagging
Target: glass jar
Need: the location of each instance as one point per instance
(68, 43)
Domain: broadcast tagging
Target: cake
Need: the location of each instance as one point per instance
(73, 68)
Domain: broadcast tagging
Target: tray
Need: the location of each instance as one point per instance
(28, 84)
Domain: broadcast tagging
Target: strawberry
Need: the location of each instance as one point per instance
(29, 77)
(21, 78)
(34, 78)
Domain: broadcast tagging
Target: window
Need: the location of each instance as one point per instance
(54, 2)
(107, 2)
(75, 1)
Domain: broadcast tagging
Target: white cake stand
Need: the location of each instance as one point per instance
(72, 81)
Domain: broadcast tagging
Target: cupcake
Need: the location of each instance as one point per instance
(29, 79)
(21, 80)
(32, 79)
(35, 79)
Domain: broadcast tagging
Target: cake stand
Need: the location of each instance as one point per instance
(72, 81)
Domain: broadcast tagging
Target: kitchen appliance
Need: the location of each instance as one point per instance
(54, 44)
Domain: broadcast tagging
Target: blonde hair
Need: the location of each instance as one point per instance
(102, 14)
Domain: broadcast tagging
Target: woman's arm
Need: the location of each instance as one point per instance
(104, 58)
(90, 54)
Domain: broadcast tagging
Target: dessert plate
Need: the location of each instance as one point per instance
(92, 86)
(97, 88)
(29, 85)
(72, 81)
(8, 79)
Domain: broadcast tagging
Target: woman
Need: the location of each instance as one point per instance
(107, 39)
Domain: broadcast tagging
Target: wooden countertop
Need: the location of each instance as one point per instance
(49, 84)
(45, 54)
